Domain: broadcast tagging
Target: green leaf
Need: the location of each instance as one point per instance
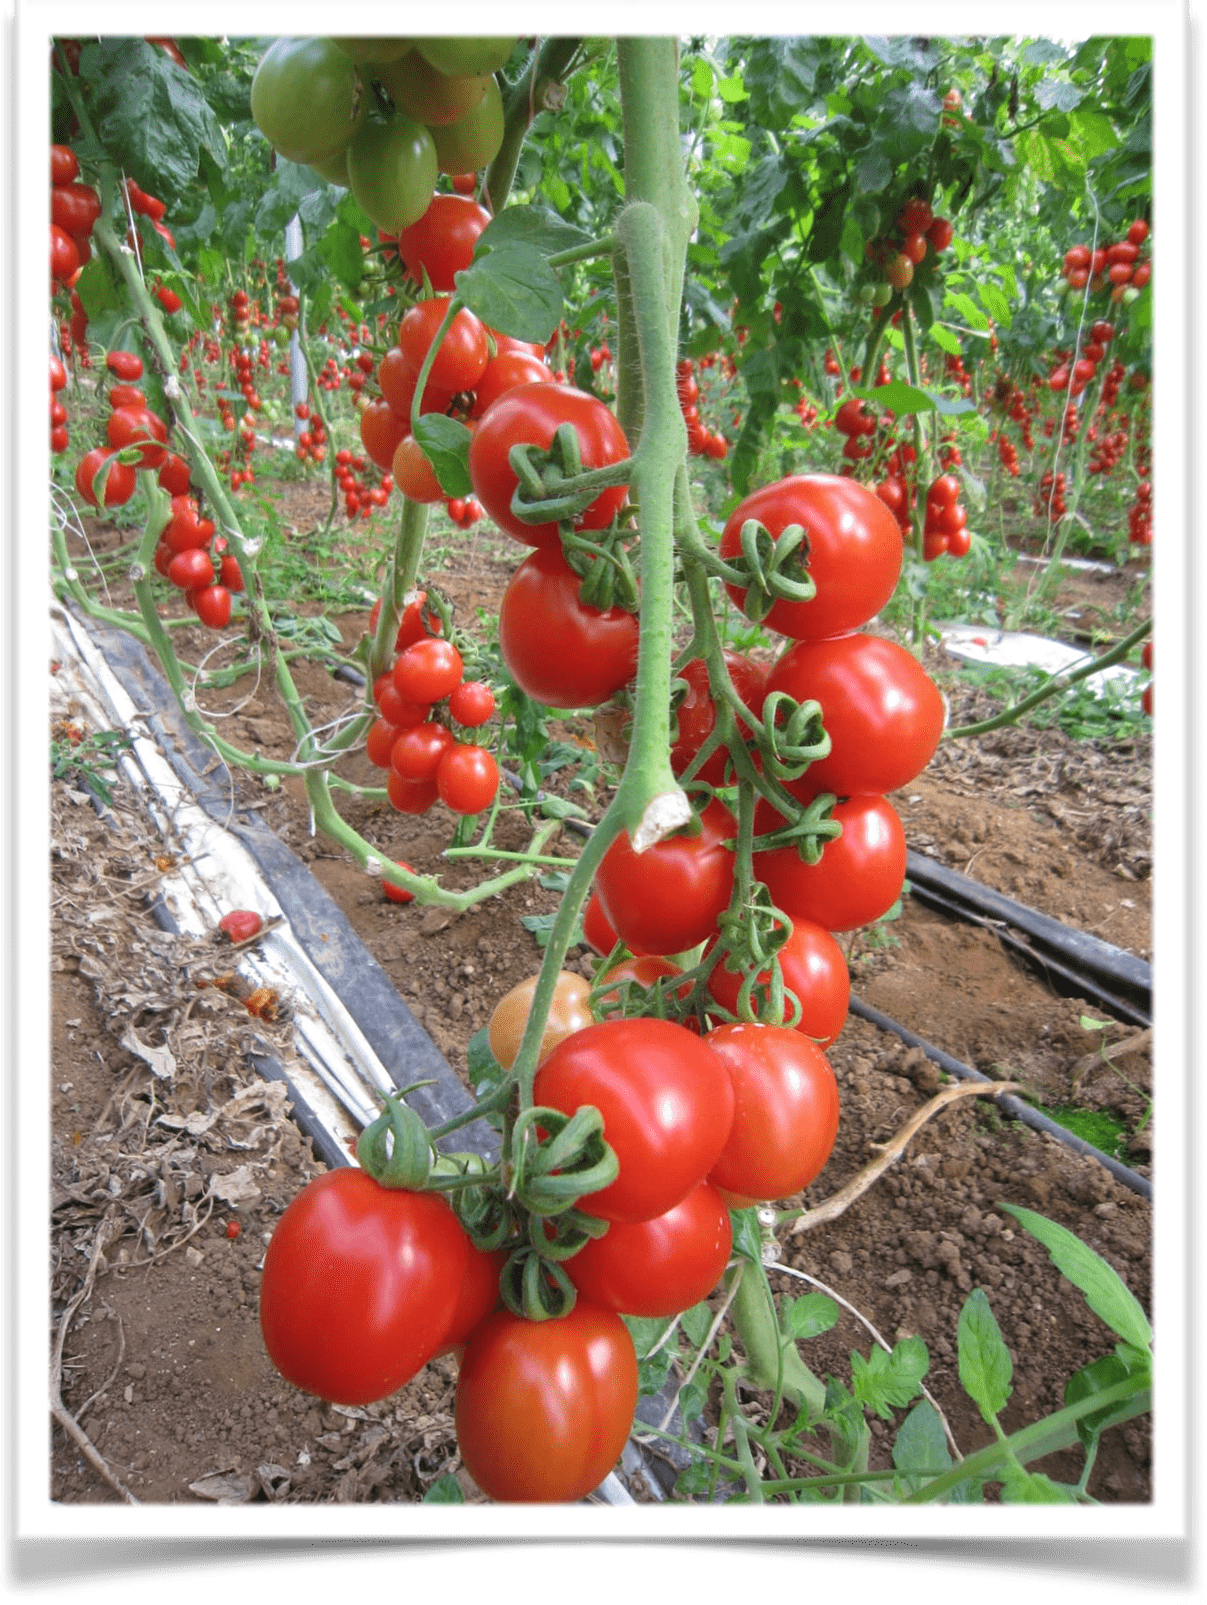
(444, 1491)
(534, 226)
(885, 1382)
(873, 171)
(1057, 93)
(995, 304)
(921, 1445)
(693, 1396)
(906, 399)
(152, 119)
(646, 1331)
(746, 1238)
(968, 310)
(1020, 1487)
(514, 290)
(945, 340)
(445, 443)
(828, 220)
(809, 1316)
(484, 1069)
(96, 289)
(1105, 1291)
(696, 1322)
(292, 183)
(985, 1365)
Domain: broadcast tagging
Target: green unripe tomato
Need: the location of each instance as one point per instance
(468, 146)
(882, 294)
(307, 98)
(365, 49)
(280, 335)
(458, 56)
(392, 172)
(333, 168)
(430, 97)
(864, 294)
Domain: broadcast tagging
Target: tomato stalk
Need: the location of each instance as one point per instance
(521, 103)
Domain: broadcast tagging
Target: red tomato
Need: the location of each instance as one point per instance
(399, 894)
(463, 353)
(814, 967)
(443, 240)
(391, 706)
(916, 216)
(186, 528)
(596, 927)
(64, 256)
(127, 396)
(64, 167)
(119, 481)
(360, 1286)
(381, 430)
(379, 742)
(883, 712)
(413, 473)
(643, 970)
(668, 898)
(58, 373)
(531, 414)
(696, 714)
(410, 796)
(428, 670)
(74, 207)
(507, 371)
(660, 1266)
(191, 569)
(1138, 232)
(559, 651)
(136, 426)
(854, 550)
(472, 703)
(467, 779)
(417, 752)
(479, 1296)
(411, 627)
(940, 234)
(666, 1103)
(858, 877)
(785, 1116)
(544, 1407)
(212, 605)
(124, 365)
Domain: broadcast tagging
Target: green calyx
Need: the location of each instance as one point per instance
(395, 1149)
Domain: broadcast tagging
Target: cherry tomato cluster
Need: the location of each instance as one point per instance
(1119, 267)
(311, 444)
(1140, 517)
(701, 442)
(365, 492)
(465, 511)
(423, 757)
(58, 412)
(1051, 498)
(1076, 377)
(190, 557)
(897, 254)
(74, 209)
(946, 527)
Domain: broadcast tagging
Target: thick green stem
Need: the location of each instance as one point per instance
(771, 1361)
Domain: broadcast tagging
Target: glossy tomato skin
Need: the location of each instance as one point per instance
(596, 926)
(479, 1296)
(306, 98)
(462, 354)
(360, 1286)
(666, 1104)
(570, 1011)
(858, 877)
(883, 712)
(467, 778)
(855, 550)
(544, 1407)
(814, 967)
(561, 652)
(785, 1115)
(696, 714)
(661, 1266)
(443, 240)
(668, 898)
(531, 414)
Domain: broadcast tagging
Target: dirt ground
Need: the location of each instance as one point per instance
(166, 1186)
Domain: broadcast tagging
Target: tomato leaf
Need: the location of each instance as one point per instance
(884, 1382)
(444, 1491)
(905, 399)
(445, 444)
(696, 1322)
(1020, 1487)
(534, 226)
(986, 1368)
(96, 289)
(514, 290)
(809, 1316)
(1105, 1291)
(920, 1445)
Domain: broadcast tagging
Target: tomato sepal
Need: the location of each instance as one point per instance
(395, 1149)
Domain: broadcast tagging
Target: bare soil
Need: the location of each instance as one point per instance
(166, 1186)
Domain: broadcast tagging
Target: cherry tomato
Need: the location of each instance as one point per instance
(569, 1012)
(442, 241)
(643, 970)
(696, 714)
(428, 670)
(916, 216)
(392, 171)
(381, 431)
(668, 898)
(660, 1266)
(858, 877)
(472, 703)
(119, 480)
(413, 473)
(463, 353)
(212, 605)
(666, 1103)
(241, 924)
(64, 255)
(544, 1407)
(530, 415)
(430, 97)
(137, 426)
(398, 894)
(814, 967)
(74, 207)
(307, 98)
(64, 166)
(417, 752)
(559, 651)
(360, 1286)
(191, 569)
(785, 1116)
(854, 550)
(475, 139)
(467, 778)
(505, 372)
(410, 796)
(883, 712)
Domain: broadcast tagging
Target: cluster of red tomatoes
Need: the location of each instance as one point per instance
(58, 412)
(422, 757)
(1140, 518)
(1074, 379)
(132, 427)
(1051, 497)
(364, 492)
(192, 558)
(918, 230)
(1117, 267)
(311, 446)
(74, 209)
(465, 511)
(946, 526)
(701, 442)
(310, 98)
(954, 368)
